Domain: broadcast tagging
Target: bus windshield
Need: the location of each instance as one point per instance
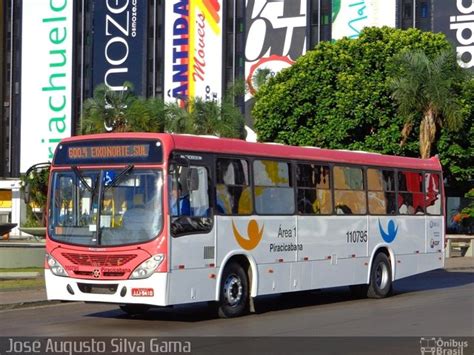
(99, 207)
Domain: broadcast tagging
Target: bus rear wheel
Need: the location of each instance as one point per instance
(134, 309)
(234, 292)
(380, 284)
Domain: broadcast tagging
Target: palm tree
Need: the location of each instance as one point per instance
(428, 89)
(115, 111)
(259, 78)
(199, 116)
(105, 111)
(146, 115)
(231, 120)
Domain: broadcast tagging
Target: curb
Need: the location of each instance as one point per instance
(460, 268)
(10, 306)
(18, 275)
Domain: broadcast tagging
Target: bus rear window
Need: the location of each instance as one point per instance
(433, 194)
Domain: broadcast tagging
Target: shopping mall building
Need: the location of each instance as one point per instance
(53, 53)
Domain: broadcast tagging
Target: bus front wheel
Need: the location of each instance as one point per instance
(234, 292)
(380, 284)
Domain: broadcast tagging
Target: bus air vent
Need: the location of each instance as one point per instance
(99, 260)
(209, 252)
(109, 289)
(104, 273)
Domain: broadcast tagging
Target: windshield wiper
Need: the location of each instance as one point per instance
(120, 176)
(81, 178)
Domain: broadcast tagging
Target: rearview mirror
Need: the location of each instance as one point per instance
(26, 194)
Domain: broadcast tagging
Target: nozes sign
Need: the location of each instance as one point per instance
(119, 44)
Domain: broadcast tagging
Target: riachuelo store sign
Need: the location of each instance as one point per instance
(46, 78)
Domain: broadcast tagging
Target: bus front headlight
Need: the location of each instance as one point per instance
(147, 268)
(55, 267)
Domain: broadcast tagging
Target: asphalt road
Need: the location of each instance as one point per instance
(435, 304)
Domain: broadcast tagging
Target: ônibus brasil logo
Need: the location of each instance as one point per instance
(391, 233)
(254, 235)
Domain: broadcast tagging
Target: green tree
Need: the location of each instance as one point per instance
(339, 96)
(113, 111)
(260, 77)
(106, 110)
(469, 210)
(146, 115)
(199, 116)
(430, 89)
(34, 185)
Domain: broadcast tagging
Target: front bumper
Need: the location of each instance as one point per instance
(108, 291)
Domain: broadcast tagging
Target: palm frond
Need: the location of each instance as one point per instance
(427, 89)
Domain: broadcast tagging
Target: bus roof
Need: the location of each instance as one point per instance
(187, 142)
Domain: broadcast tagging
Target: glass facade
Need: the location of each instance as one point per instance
(10, 87)
(316, 14)
(415, 14)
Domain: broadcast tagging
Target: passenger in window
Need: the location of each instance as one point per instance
(224, 201)
(305, 206)
(343, 209)
(181, 207)
(406, 206)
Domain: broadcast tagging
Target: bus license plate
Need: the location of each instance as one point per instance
(142, 292)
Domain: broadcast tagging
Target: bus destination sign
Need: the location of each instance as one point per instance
(109, 151)
(106, 152)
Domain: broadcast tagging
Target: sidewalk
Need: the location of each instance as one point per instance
(459, 263)
(35, 296)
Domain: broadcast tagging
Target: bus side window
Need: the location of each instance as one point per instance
(233, 194)
(411, 196)
(381, 191)
(349, 191)
(189, 200)
(314, 194)
(273, 187)
(198, 191)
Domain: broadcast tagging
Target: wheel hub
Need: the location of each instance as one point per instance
(233, 290)
(381, 276)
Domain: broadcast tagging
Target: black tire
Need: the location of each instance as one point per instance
(134, 309)
(234, 292)
(380, 284)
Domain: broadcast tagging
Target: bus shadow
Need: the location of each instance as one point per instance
(199, 312)
(182, 313)
(433, 280)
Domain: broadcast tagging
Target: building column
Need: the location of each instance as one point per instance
(17, 210)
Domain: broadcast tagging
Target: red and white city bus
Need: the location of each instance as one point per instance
(142, 219)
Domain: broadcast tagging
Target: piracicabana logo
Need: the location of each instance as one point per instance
(254, 235)
(392, 230)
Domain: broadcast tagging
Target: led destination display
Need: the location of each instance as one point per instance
(114, 151)
(91, 152)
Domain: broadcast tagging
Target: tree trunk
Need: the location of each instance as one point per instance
(427, 133)
(407, 127)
